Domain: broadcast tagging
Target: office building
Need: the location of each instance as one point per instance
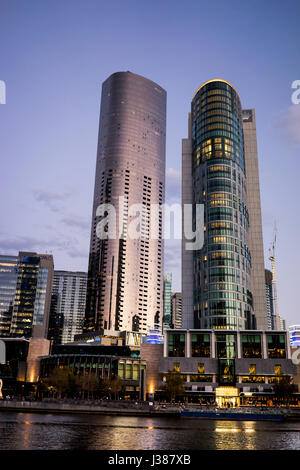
(102, 360)
(219, 290)
(231, 367)
(8, 283)
(282, 324)
(294, 332)
(125, 274)
(275, 322)
(167, 318)
(177, 309)
(269, 300)
(31, 308)
(255, 235)
(67, 305)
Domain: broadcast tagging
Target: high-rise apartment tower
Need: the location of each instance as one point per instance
(125, 277)
(67, 305)
(217, 291)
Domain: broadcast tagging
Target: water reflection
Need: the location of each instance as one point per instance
(94, 432)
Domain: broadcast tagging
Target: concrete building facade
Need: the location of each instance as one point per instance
(177, 309)
(214, 364)
(257, 278)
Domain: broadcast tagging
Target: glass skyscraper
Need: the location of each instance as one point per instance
(217, 277)
(31, 308)
(67, 305)
(167, 318)
(8, 283)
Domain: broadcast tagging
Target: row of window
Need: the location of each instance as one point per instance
(252, 377)
(251, 346)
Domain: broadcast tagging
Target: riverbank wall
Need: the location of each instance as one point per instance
(117, 409)
(60, 407)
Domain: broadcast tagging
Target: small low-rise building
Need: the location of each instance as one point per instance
(230, 367)
(100, 360)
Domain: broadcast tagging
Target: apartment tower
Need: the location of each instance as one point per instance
(67, 305)
(218, 291)
(125, 275)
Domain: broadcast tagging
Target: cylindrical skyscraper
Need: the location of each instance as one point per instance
(221, 269)
(125, 278)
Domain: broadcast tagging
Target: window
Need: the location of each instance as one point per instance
(253, 379)
(200, 346)
(251, 346)
(276, 346)
(226, 372)
(176, 345)
(225, 345)
(201, 378)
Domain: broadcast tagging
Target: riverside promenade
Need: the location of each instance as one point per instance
(128, 408)
(108, 407)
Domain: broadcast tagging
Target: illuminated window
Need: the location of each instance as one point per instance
(278, 369)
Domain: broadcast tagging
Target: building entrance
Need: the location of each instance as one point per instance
(227, 397)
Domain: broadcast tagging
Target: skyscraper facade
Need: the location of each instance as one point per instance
(67, 305)
(177, 310)
(167, 318)
(125, 276)
(274, 321)
(8, 283)
(255, 234)
(269, 300)
(30, 316)
(216, 279)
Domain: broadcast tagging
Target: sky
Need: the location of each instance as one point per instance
(54, 57)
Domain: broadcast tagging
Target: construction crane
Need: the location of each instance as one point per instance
(274, 282)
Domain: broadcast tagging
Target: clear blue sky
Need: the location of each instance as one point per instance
(54, 56)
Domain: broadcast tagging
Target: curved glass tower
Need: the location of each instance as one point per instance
(221, 269)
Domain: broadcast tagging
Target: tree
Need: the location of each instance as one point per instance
(284, 388)
(88, 383)
(62, 379)
(116, 386)
(174, 385)
(111, 386)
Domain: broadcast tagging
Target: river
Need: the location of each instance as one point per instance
(46, 431)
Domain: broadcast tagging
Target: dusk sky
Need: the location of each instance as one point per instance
(54, 57)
